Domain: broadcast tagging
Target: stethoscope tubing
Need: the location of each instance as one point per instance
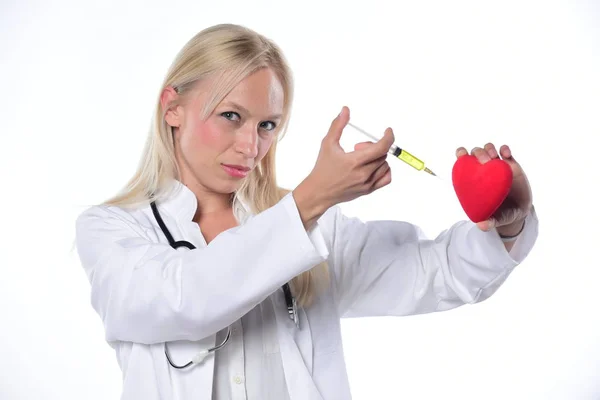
(290, 300)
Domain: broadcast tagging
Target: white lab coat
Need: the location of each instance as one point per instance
(147, 293)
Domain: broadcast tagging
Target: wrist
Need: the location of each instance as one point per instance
(512, 230)
(310, 204)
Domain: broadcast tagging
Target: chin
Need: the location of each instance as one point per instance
(227, 187)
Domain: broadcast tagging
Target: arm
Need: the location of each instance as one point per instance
(147, 292)
(390, 268)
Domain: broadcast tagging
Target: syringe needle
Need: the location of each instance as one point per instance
(429, 171)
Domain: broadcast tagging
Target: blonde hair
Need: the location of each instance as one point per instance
(228, 53)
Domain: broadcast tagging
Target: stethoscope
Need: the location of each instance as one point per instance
(289, 299)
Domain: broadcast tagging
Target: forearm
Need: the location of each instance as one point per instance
(147, 292)
(391, 268)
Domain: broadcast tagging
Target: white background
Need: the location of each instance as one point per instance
(79, 81)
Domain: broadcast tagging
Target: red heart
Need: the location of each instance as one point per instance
(481, 188)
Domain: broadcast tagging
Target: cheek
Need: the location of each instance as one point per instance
(204, 137)
(207, 133)
(264, 146)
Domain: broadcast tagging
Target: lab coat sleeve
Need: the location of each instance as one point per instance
(383, 268)
(147, 292)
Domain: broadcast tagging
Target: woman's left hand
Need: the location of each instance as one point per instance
(510, 216)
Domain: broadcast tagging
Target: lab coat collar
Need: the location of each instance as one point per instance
(181, 202)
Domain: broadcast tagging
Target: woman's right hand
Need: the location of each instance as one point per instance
(339, 176)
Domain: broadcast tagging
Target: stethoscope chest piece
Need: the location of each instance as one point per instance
(292, 307)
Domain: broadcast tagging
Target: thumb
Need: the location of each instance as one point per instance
(338, 125)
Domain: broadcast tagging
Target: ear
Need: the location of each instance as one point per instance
(168, 99)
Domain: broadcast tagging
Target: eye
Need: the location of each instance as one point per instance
(268, 125)
(231, 115)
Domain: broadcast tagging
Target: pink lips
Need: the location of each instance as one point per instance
(237, 171)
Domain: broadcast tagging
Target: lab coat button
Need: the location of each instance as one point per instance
(238, 380)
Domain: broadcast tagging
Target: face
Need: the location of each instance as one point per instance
(217, 153)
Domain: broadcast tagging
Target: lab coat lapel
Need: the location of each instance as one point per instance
(295, 345)
(296, 352)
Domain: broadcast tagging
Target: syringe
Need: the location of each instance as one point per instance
(399, 153)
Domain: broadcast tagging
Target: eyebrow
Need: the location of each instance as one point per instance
(245, 110)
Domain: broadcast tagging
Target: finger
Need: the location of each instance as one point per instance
(387, 140)
(362, 145)
(378, 173)
(376, 176)
(491, 150)
(506, 153)
(507, 156)
(482, 155)
(461, 151)
(377, 150)
(384, 180)
(337, 126)
(368, 171)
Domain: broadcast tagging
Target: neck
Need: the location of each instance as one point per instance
(209, 203)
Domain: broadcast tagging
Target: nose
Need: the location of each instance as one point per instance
(247, 142)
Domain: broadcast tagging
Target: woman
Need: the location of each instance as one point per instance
(199, 248)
